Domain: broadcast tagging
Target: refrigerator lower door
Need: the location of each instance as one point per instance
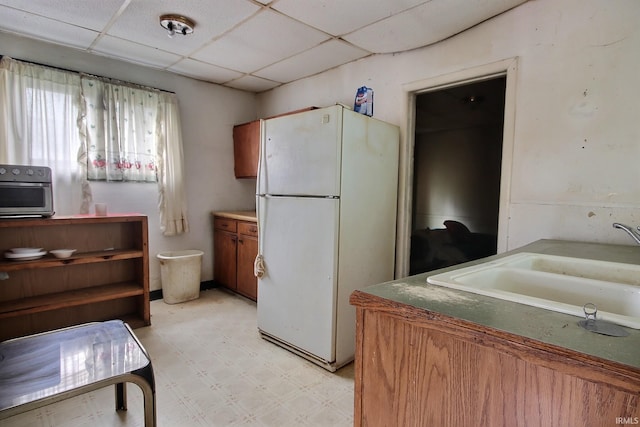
(297, 293)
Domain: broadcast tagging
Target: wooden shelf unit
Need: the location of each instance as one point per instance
(106, 278)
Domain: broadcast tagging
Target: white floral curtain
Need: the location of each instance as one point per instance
(133, 134)
(120, 131)
(172, 200)
(86, 127)
(40, 108)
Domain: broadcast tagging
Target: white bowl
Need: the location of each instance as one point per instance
(62, 253)
(25, 250)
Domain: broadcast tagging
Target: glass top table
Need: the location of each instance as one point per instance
(41, 369)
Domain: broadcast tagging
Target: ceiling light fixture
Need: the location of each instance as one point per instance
(176, 24)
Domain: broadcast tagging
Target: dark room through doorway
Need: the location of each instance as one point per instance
(456, 173)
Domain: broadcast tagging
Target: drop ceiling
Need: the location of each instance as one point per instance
(253, 45)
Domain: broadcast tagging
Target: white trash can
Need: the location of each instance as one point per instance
(180, 275)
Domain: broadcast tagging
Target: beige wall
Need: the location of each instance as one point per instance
(576, 140)
(208, 113)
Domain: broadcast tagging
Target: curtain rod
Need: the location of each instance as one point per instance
(110, 79)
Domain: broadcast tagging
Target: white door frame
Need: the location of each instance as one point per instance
(508, 68)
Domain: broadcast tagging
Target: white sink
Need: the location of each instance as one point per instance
(557, 283)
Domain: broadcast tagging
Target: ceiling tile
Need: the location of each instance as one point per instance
(426, 24)
(38, 27)
(141, 22)
(133, 52)
(203, 71)
(73, 12)
(252, 84)
(267, 38)
(247, 44)
(320, 58)
(339, 17)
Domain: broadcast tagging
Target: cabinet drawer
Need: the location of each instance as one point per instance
(248, 228)
(225, 224)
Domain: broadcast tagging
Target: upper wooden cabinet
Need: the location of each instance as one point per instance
(246, 148)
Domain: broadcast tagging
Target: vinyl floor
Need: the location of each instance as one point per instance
(213, 369)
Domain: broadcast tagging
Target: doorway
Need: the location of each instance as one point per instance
(504, 68)
(458, 145)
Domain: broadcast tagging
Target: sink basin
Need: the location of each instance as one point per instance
(562, 284)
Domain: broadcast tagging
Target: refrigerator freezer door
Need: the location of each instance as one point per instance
(300, 154)
(296, 295)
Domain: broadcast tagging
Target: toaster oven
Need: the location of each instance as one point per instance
(25, 191)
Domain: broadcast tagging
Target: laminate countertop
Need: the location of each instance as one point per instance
(239, 215)
(523, 322)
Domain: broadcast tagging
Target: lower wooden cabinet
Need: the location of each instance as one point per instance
(235, 246)
(225, 241)
(246, 282)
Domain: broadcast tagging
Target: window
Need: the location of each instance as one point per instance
(121, 130)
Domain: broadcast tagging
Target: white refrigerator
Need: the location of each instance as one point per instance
(326, 205)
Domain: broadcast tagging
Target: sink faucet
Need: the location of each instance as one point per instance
(634, 234)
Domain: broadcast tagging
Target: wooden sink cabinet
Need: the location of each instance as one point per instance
(415, 367)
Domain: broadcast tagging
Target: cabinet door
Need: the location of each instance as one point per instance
(246, 148)
(247, 251)
(224, 258)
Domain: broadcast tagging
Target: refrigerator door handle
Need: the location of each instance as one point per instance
(262, 164)
(258, 266)
(258, 263)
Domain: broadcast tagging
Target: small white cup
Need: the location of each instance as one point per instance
(101, 209)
